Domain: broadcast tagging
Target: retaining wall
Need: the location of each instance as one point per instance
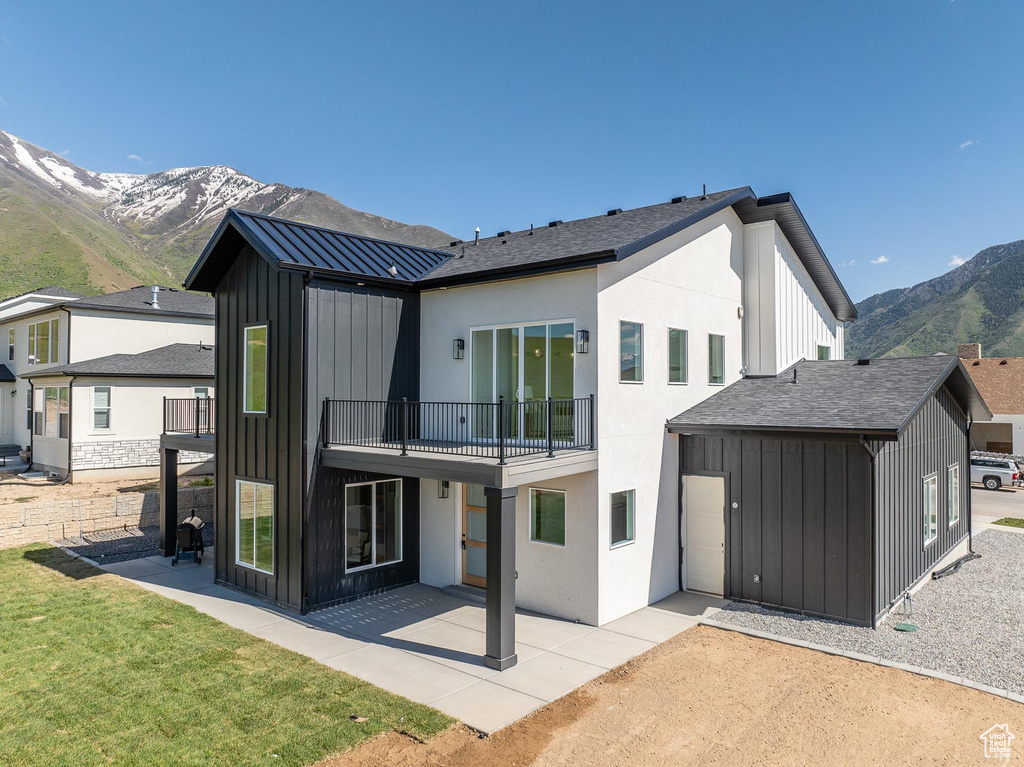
(43, 521)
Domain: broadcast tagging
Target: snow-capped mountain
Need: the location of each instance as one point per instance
(156, 223)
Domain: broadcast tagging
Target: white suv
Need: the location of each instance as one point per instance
(993, 473)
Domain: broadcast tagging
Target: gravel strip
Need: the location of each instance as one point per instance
(110, 546)
(970, 624)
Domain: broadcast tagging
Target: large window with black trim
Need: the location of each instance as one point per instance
(254, 525)
(51, 409)
(373, 524)
(44, 342)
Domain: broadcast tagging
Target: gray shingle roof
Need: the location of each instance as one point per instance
(6, 376)
(834, 396)
(140, 299)
(572, 239)
(50, 290)
(304, 246)
(174, 361)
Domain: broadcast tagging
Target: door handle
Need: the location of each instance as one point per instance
(463, 541)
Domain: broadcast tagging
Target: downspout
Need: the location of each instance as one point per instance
(872, 454)
(307, 278)
(71, 424)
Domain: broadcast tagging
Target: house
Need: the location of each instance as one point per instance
(1001, 382)
(831, 488)
(493, 413)
(85, 378)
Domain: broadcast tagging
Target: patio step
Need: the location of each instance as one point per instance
(467, 592)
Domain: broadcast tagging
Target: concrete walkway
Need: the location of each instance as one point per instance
(426, 645)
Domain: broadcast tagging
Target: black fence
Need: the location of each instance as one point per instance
(478, 429)
(193, 416)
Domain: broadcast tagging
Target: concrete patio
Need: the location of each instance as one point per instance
(428, 646)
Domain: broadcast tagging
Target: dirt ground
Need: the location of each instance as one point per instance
(18, 491)
(717, 697)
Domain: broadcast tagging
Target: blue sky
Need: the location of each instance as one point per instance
(897, 126)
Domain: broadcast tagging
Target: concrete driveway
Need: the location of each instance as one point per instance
(990, 505)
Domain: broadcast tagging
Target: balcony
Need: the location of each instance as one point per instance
(188, 419)
(462, 441)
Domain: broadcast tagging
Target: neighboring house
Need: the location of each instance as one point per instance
(493, 413)
(844, 483)
(1001, 382)
(83, 387)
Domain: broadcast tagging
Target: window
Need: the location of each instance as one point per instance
(50, 412)
(101, 407)
(373, 524)
(953, 492)
(10, 345)
(824, 352)
(622, 517)
(716, 359)
(931, 508)
(676, 356)
(547, 516)
(201, 392)
(631, 352)
(255, 373)
(28, 409)
(43, 343)
(254, 525)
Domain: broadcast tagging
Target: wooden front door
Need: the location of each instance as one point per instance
(474, 536)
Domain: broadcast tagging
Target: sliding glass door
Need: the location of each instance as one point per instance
(523, 364)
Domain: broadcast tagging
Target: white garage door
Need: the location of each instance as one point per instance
(704, 524)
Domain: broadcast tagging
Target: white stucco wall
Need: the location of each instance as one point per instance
(691, 281)
(13, 424)
(97, 333)
(136, 406)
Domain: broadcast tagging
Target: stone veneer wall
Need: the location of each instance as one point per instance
(125, 453)
(24, 523)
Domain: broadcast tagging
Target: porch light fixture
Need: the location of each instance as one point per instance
(459, 349)
(582, 341)
(442, 488)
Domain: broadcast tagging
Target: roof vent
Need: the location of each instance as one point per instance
(975, 363)
(704, 191)
(453, 243)
(555, 223)
(393, 271)
(476, 238)
(505, 233)
(155, 292)
(863, 361)
(1003, 362)
(794, 376)
(531, 228)
(677, 200)
(615, 212)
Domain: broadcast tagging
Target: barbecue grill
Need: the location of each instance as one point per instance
(189, 538)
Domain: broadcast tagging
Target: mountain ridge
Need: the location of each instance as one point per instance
(94, 232)
(982, 300)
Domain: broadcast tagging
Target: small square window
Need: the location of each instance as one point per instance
(547, 516)
(101, 407)
(824, 352)
(622, 517)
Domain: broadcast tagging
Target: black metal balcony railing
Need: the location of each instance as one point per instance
(194, 416)
(499, 430)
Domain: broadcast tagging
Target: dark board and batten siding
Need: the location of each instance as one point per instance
(363, 344)
(934, 440)
(802, 521)
(261, 447)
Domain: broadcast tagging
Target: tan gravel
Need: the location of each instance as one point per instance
(716, 697)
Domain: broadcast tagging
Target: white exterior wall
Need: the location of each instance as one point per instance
(786, 317)
(97, 333)
(691, 281)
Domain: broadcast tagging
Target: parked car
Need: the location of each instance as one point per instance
(993, 473)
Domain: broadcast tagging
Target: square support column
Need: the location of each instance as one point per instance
(501, 577)
(168, 500)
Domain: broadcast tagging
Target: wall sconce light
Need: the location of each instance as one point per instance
(458, 349)
(582, 341)
(442, 488)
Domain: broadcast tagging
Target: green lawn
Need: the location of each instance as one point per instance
(94, 670)
(1010, 522)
